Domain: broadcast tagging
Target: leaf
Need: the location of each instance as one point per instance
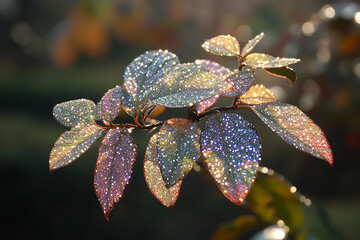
(235, 228)
(251, 44)
(178, 149)
(214, 67)
(261, 60)
(76, 112)
(218, 70)
(224, 45)
(284, 72)
(185, 85)
(257, 94)
(144, 72)
(153, 178)
(231, 148)
(117, 155)
(71, 144)
(109, 106)
(205, 104)
(295, 128)
(128, 103)
(240, 82)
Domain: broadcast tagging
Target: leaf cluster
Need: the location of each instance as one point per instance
(228, 146)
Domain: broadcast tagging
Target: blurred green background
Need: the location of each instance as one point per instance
(55, 51)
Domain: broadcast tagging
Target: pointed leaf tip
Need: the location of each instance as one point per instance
(261, 60)
(295, 128)
(153, 178)
(284, 72)
(71, 144)
(117, 155)
(251, 44)
(231, 148)
(178, 149)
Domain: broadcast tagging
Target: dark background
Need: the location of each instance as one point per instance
(55, 51)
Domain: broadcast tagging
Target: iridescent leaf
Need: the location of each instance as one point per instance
(145, 71)
(109, 106)
(257, 94)
(284, 72)
(185, 85)
(295, 128)
(203, 105)
(153, 177)
(178, 149)
(251, 44)
(261, 60)
(75, 112)
(113, 169)
(71, 144)
(224, 45)
(231, 148)
(240, 82)
(128, 103)
(213, 67)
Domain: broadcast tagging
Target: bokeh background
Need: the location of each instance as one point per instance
(55, 51)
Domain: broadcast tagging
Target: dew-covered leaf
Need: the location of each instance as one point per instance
(178, 149)
(295, 128)
(231, 148)
(213, 67)
(257, 94)
(71, 144)
(224, 45)
(117, 155)
(145, 71)
(109, 106)
(251, 44)
(284, 72)
(261, 60)
(239, 82)
(153, 177)
(218, 70)
(184, 85)
(203, 105)
(75, 112)
(128, 103)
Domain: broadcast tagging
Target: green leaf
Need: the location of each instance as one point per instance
(261, 60)
(295, 128)
(251, 44)
(231, 148)
(184, 85)
(117, 155)
(144, 72)
(71, 144)
(235, 228)
(284, 72)
(154, 179)
(224, 45)
(178, 149)
(76, 112)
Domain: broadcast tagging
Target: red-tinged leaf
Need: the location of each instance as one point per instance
(153, 178)
(231, 148)
(224, 45)
(261, 60)
(114, 165)
(178, 149)
(257, 94)
(203, 105)
(109, 106)
(71, 144)
(76, 112)
(295, 128)
(284, 72)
